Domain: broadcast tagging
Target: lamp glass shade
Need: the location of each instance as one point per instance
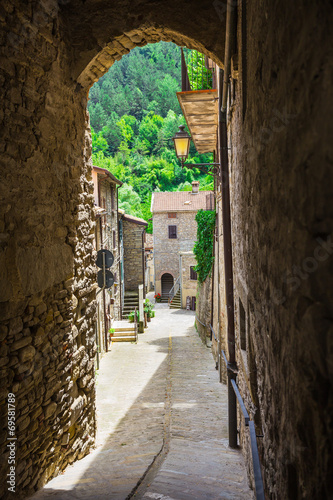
(182, 143)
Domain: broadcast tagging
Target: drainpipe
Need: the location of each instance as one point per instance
(227, 241)
(143, 262)
(104, 299)
(119, 265)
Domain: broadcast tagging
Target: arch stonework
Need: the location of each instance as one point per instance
(165, 272)
(281, 179)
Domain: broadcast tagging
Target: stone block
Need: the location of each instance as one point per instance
(24, 341)
(50, 409)
(26, 353)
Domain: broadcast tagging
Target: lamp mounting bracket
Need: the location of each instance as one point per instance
(206, 168)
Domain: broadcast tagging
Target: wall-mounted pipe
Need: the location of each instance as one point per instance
(229, 45)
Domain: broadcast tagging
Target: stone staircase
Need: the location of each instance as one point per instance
(176, 301)
(124, 332)
(131, 301)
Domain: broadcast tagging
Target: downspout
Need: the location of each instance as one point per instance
(104, 300)
(143, 263)
(227, 240)
(213, 267)
(119, 255)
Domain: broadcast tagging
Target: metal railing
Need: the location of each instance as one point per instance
(136, 323)
(196, 70)
(174, 289)
(259, 486)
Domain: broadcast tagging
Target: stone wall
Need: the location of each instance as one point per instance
(204, 309)
(133, 254)
(47, 272)
(281, 183)
(188, 285)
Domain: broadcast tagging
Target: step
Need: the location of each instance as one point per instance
(129, 328)
(129, 338)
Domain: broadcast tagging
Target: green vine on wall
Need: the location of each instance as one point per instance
(203, 248)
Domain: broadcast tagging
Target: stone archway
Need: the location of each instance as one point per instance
(281, 179)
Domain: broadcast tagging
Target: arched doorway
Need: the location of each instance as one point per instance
(167, 284)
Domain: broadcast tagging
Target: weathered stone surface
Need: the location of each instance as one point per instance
(26, 353)
(50, 409)
(24, 341)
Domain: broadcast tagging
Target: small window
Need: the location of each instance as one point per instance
(172, 215)
(242, 326)
(172, 232)
(193, 274)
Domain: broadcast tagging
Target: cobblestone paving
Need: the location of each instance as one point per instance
(162, 423)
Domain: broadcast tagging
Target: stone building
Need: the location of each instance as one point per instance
(107, 236)
(280, 157)
(175, 232)
(132, 241)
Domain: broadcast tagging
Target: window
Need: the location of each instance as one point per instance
(172, 215)
(172, 232)
(193, 274)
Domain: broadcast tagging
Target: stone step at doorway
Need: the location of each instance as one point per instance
(124, 332)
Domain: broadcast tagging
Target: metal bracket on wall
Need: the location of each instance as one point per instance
(205, 168)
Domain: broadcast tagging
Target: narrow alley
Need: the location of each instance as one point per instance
(162, 423)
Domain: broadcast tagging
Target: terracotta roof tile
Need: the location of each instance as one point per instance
(182, 201)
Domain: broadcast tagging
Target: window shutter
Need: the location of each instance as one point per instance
(193, 274)
(172, 232)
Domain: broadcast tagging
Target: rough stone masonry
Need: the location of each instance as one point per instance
(281, 174)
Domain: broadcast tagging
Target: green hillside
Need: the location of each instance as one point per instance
(134, 113)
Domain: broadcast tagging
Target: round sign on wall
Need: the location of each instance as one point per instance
(109, 279)
(108, 256)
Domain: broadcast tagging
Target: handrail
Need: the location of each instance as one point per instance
(259, 486)
(212, 330)
(174, 289)
(136, 324)
(201, 323)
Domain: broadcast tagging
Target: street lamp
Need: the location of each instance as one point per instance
(182, 146)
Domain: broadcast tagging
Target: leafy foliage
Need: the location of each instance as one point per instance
(203, 248)
(134, 113)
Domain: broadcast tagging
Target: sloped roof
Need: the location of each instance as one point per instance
(136, 220)
(106, 172)
(182, 201)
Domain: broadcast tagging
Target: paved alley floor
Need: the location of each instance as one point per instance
(162, 423)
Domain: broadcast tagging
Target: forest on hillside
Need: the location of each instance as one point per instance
(134, 113)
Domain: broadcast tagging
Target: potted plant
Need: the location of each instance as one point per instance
(157, 297)
(148, 309)
(131, 316)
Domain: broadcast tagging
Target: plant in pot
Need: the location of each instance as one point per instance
(158, 297)
(131, 316)
(148, 309)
